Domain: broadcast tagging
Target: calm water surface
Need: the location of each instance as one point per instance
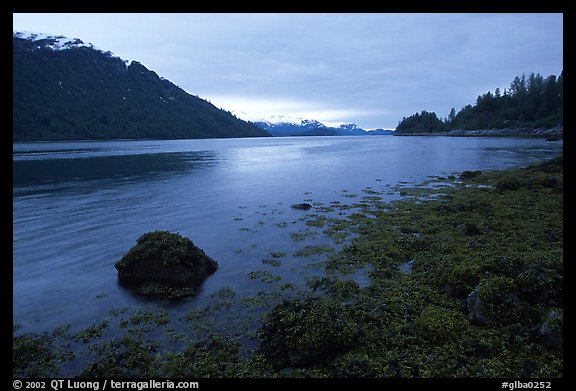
(79, 206)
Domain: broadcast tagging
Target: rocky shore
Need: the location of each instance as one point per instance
(556, 132)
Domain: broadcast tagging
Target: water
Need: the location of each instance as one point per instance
(79, 206)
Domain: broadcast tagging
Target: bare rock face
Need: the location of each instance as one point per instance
(164, 264)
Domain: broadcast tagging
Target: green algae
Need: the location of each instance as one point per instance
(264, 276)
(37, 355)
(95, 331)
(271, 262)
(312, 249)
(490, 242)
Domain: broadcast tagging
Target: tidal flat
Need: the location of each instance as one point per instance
(482, 295)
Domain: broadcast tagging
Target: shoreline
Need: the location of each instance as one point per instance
(555, 132)
(463, 282)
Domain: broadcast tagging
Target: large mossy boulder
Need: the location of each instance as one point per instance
(298, 333)
(439, 325)
(493, 302)
(164, 264)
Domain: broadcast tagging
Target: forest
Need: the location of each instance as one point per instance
(529, 102)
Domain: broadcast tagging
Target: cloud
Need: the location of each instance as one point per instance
(371, 69)
(281, 110)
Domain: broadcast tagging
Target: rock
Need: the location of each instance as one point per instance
(466, 175)
(164, 264)
(493, 302)
(474, 305)
(303, 332)
(406, 267)
(550, 330)
(303, 206)
(439, 325)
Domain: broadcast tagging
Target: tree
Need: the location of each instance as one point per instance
(424, 122)
(518, 87)
(452, 115)
(529, 102)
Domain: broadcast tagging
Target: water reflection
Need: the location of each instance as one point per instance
(90, 202)
(50, 175)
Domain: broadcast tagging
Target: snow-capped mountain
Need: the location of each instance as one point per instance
(351, 130)
(311, 124)
(54, 42)
(310, 128)
(304, 128)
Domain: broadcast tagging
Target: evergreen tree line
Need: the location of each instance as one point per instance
(82, 93)
(529, 102)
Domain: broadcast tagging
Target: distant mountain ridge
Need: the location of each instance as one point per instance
(316, 128)
(65, 89)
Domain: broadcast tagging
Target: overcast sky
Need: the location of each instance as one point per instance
(370, 69)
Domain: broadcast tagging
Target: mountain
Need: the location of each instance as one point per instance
(284, 129)
(350, 130)
(310, 128)
(66, 89)
(380, 132)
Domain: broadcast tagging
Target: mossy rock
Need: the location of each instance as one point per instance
(467, 175)
(461, 278)
(439, 325)
(163, 262)
(541, 282)
(551, 330)
(306, 332)
(493, 301)
(303, 206)
(547, 175)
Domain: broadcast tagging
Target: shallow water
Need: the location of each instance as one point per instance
(79, 206)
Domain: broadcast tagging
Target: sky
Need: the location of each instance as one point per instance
(369, 69)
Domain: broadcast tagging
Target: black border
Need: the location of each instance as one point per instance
(431, 6)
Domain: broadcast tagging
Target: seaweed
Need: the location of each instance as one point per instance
(484, 296)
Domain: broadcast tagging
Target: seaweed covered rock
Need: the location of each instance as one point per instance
(550, 332)
(439, 325)
(467, 175)
(541, 282)
(493, 302)
(164, 264)
(306, 332)
(548, 175)
(303, 206)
